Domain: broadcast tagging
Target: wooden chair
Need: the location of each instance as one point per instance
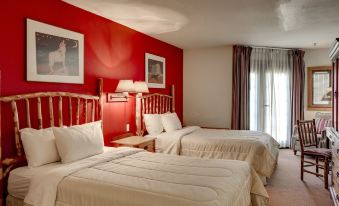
(309, 147)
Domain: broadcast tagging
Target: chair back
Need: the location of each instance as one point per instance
(307, 134)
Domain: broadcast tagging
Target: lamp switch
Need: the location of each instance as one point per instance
(127, 127)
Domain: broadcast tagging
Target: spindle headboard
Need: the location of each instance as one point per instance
(155, 103)
(87, 108)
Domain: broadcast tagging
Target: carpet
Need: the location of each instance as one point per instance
(286, 189)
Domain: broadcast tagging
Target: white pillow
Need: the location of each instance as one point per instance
(153, 124)
(39, 146)
(171, 122)
(80, 141)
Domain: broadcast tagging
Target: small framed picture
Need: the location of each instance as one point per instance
(54, 54)
(155, 71)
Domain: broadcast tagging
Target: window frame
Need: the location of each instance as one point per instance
(310, 72)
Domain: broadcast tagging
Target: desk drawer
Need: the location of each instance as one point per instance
(335, 171)
(149, 146)
(335, 164)
(335, 187)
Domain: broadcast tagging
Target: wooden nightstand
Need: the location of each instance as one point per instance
(146, 143)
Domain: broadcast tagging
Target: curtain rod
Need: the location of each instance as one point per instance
(263, 47)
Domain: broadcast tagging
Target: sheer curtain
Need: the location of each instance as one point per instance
(270, 93)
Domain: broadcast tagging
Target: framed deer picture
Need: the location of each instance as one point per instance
(54, 54)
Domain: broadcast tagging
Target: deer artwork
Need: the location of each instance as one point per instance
(57, 56)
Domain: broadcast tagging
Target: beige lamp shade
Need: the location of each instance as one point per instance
(125, 86)
(141, 87)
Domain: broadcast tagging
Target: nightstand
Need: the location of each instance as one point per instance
(146, 143)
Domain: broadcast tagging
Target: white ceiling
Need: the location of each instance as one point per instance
(206, 23)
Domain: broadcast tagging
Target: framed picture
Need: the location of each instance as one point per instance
(319, 86)
(54, 54)
(155, 71)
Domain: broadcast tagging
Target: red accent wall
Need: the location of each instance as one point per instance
(112, 51)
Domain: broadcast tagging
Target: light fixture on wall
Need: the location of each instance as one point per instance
(140, 87)
(122, 94)
(122, 91)
(124, 88)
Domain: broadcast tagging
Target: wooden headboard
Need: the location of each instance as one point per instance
(155, 103)
(90, 105)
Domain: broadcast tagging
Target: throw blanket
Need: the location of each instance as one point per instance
(259, 149)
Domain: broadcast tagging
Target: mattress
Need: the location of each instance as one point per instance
(259, 149)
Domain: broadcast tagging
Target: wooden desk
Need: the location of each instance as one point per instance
(333, 137)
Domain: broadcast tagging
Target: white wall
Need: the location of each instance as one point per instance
(208, 86)
(314, 57)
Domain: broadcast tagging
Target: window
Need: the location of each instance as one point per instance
(270, 93)
(319, 88)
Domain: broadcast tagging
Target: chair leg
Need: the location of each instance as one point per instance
(317, 167)
(302, 167)
(295, 152)
(326, 173)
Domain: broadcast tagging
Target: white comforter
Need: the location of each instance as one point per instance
(259, 149)
(43, 188)
(128, 177)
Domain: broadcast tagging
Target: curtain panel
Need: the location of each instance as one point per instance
(298, 85)
(240, 91)
(270, 93)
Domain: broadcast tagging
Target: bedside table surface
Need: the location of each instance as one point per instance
(133, 140)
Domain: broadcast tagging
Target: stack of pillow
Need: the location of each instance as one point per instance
(67, 144)
(157, 123)
(321, 124)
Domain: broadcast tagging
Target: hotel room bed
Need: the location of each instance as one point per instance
(89, 174)
(257, 148)
(127, 176)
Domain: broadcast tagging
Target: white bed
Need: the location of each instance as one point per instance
(258, 149)
(126, 176)
(89, 174)
(20, 178)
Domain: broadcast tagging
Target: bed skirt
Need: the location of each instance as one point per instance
(13, 201)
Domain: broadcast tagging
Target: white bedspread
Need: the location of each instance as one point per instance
(259, 149)
(129, 177)
(20, 178)
(43, 188)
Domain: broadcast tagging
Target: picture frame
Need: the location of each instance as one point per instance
(54, 54)
(155, 71)
(319, 88)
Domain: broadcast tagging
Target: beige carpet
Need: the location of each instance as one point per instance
(286, 189)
